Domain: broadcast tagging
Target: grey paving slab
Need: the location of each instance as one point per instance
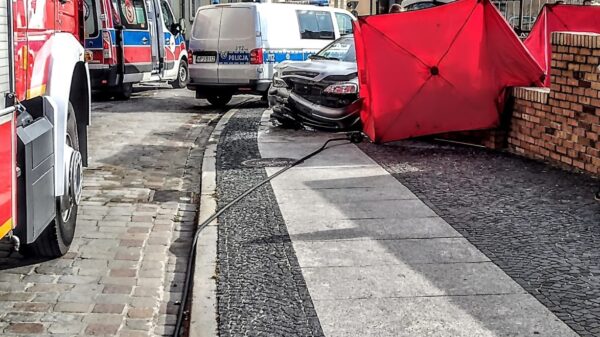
(336, 195)
(460, 316)
(300, 178)
(408, 280)
(358, 229)
(336, 156)
(369, 252)
(382, 209)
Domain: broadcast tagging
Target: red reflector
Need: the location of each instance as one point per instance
(104, 81)
(190, 56)
(256, 56)
(106, 45)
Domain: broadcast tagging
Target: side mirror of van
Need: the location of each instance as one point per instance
(175, 29)
(182, 25)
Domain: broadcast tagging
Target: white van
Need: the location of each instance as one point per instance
(235, 46)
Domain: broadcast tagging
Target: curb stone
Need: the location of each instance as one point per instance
(204, 315)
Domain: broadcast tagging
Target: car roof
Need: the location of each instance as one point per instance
(407, 3)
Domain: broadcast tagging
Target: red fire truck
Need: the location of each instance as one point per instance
(44, 114)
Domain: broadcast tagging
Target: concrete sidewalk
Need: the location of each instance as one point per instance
(378, 262)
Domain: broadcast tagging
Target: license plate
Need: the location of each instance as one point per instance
(206, 59)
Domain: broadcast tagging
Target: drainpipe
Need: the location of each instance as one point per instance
(520, 15)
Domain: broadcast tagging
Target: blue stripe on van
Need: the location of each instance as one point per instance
(178, 38)
(234, 57)
(96, 42)
(135, 37)
(277, 56)
(269, 56)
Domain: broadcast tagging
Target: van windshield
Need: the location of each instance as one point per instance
(91, 21)
(341, 49)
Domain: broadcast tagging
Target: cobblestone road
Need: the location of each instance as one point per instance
(261, 290)
(124, 272)
(539, 224)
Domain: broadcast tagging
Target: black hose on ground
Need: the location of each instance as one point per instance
(351, 137)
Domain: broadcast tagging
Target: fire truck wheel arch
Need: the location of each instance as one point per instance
(68, 80)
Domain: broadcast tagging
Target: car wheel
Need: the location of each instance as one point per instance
(124, 91)
(56, 239)
(219, 100)
(182, 76)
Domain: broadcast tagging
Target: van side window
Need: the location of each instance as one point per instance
(315, 25)
(344, 23)
(167, 14)
(133, 14)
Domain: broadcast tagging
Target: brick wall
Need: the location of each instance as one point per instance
(562, 124)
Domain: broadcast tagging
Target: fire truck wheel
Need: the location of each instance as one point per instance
(182, 76)
(124, 91)
(219, 100)
(56, 239)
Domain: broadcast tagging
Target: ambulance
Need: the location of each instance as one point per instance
(133, 41)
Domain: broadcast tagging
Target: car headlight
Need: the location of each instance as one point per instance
(344, 88)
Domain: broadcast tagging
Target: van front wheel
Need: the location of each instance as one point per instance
(219, 100)
(182, 76)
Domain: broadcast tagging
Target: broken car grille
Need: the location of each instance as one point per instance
(313, 92)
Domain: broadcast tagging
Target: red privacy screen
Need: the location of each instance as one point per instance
(559, 18)
(438, 70)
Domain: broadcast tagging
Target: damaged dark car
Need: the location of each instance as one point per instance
(321, 93)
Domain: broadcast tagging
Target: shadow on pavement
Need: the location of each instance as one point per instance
(539, 224)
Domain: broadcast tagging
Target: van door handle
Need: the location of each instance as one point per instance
(144, 40)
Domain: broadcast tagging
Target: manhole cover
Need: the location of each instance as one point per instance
(269, 162)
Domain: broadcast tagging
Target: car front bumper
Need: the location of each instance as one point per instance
(287, 105)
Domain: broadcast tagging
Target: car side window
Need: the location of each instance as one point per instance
(344, 23)
(315, 25)
(133, 14)
(167, 14)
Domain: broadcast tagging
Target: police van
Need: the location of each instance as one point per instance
(234, 47)
(132, 41)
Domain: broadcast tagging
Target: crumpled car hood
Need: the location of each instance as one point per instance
(323, 68)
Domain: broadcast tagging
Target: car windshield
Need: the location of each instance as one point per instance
(419, 5)
(341, 49)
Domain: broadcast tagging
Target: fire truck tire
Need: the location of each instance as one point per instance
(182, 76)
(124, 91)
(219, 100)
(56, 239)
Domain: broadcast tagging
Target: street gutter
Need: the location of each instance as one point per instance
(204, 314)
